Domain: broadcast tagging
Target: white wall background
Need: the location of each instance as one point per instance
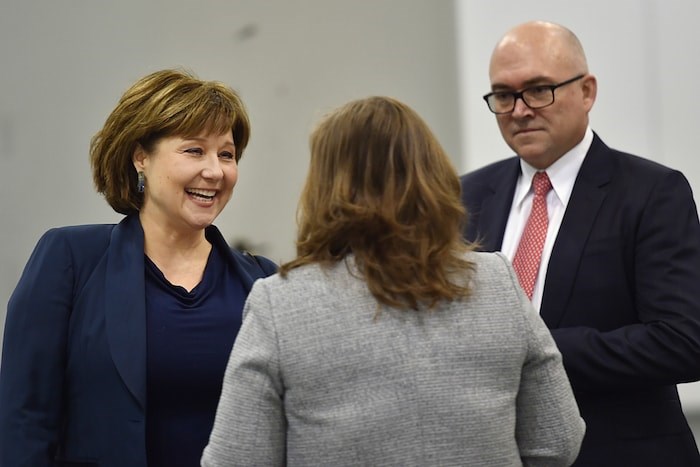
(63, 65)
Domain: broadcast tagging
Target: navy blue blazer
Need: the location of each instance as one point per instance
(621, 297)
(73, 374)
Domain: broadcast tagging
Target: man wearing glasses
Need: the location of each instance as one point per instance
(605, 244)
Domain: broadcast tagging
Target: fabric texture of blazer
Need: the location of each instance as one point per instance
(317, 377)
(621, 298)
(73, 375)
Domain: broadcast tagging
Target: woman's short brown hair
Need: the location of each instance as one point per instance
(161, 104)
(381, 187)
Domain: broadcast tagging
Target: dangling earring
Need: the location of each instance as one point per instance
(140, 181)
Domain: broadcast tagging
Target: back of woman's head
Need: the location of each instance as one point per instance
(161, 104)
(381, 187)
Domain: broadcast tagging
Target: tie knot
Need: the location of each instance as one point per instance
(541, 184)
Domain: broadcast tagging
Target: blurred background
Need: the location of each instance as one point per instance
(64, 64)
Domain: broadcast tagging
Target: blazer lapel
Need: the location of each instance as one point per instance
(125, 300)
(587, 196)
(233, 257)
(125, 305)
(495, 208)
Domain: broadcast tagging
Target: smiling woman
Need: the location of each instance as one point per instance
(142, 314)
(190, 180)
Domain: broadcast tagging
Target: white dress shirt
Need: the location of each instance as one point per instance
(562, 174)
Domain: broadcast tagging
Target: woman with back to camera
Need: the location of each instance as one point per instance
(117, 336)
(388, 341)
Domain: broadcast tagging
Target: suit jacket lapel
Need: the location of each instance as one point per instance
(125, 305)
(495, 208)
(587, 196)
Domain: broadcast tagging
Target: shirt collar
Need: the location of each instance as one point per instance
(562, 174)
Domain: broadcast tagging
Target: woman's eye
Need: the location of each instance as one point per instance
(227, 155)
(197, 151)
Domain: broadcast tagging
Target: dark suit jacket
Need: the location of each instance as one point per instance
(621, 297)
(73, 375)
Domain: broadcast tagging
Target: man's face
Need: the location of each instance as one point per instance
(541, 136)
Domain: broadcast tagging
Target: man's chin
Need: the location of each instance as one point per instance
(533, 154)
(527, 148)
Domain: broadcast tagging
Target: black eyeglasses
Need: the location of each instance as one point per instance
(535, 97)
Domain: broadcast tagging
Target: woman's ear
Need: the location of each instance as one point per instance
(139, 158)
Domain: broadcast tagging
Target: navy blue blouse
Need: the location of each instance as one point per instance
(189, 340)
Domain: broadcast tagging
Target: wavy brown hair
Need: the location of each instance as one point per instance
(381, 187)
(161, 104)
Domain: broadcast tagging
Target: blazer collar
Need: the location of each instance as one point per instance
(496, 206)
(125, 305)
(590, 189)
(234, 258)
(125, 298)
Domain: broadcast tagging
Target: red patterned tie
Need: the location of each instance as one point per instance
(527, 257)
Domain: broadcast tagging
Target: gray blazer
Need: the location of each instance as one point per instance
(317, 378)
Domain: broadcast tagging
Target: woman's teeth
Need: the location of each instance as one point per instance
(203, 194)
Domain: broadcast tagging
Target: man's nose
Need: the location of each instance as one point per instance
(520, 107)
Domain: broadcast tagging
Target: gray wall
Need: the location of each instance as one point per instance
(65, 63)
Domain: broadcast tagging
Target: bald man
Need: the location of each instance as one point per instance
(610, 258)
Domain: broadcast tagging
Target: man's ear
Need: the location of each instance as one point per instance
(590, 91)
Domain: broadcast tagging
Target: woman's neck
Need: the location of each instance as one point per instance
(180, 256)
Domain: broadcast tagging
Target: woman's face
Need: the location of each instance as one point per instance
(189, 180)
